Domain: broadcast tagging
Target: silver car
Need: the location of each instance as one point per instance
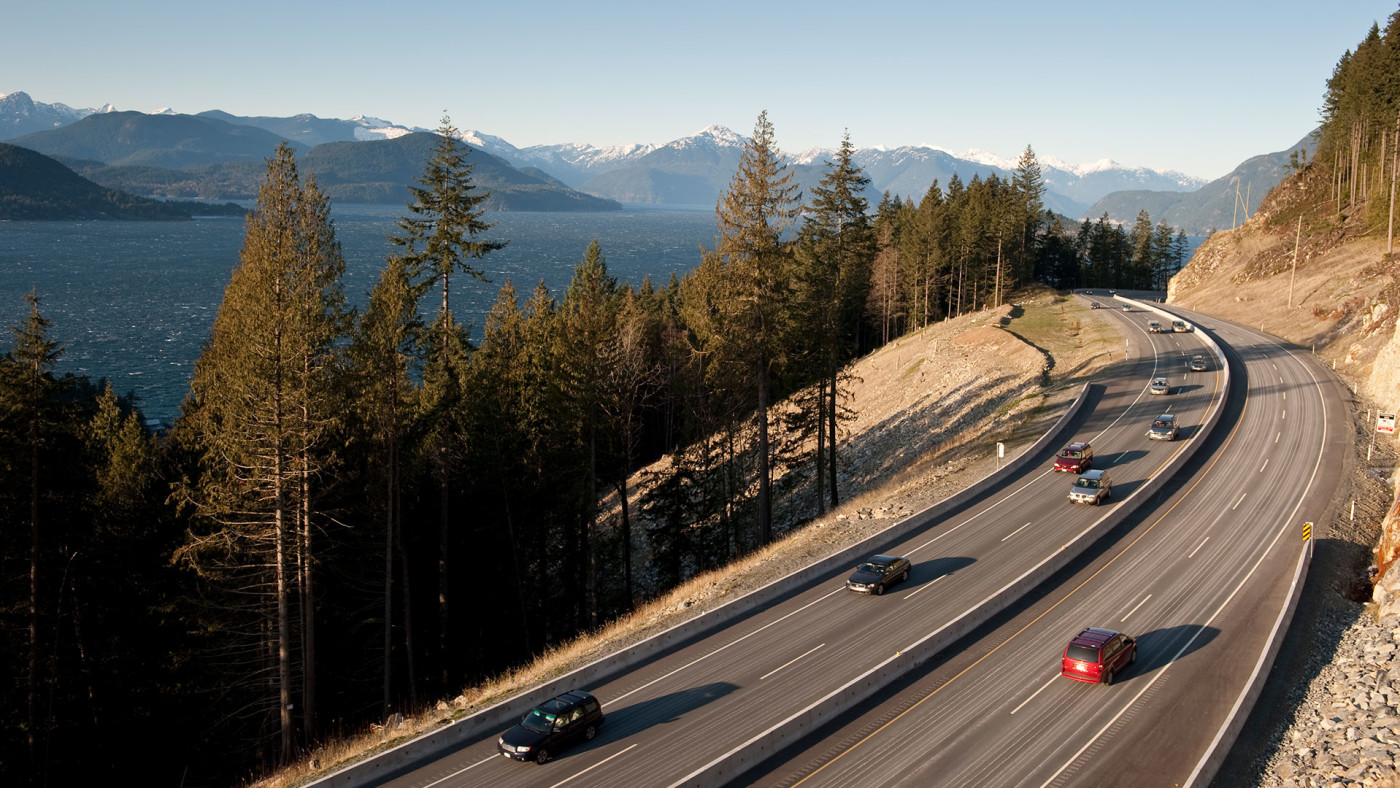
(1159, 386)
(1093, 487)
(1163, 428)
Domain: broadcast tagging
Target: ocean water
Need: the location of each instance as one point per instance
(132, 302)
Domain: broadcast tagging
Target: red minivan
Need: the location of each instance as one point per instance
(1097, 655)
(1075, 458)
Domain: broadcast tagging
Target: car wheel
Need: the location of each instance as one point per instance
(904, 576)
(590, 732)
(542, 756)
(1108, 678)
(1133, 659)
(879, 589)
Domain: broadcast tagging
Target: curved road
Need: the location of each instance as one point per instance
(669, 718)
(1201, 580)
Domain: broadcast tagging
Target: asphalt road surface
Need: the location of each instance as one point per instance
(694, 705)
(1200, 579)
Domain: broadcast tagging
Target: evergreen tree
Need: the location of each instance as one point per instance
(384, 363)
(440, 238)
(259, 413)
(1029, 187)
(835, 253)
(754, 214)
(32, 417)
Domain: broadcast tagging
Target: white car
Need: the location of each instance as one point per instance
(1159, 386)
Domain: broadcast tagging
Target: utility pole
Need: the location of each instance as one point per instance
(1296, 239)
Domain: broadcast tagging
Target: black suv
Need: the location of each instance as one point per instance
(552, 726)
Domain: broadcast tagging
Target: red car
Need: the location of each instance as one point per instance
(1097, 655)
(1075, 458)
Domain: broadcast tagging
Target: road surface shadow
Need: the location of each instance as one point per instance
(1161, 647)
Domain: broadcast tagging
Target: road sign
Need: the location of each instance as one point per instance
(1001, 449)
(1307, 531)
(1385, 422)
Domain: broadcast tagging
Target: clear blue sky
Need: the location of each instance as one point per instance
(1191, 86)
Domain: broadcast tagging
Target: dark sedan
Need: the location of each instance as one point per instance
(879, 573)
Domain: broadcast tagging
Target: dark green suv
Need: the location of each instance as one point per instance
(551, 726)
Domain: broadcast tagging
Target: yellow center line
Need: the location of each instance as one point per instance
(1047, 611)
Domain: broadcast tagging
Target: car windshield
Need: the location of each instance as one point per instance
(1090, 483)
(872, 567)
(1070, 454)
(538, 721)
(1163, 423)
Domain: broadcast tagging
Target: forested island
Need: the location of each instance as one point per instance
(34, 186)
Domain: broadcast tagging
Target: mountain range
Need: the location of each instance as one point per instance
(218, 155)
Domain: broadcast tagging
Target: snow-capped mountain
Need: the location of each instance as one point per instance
(691, 169)
(20, 115)
(365, 128)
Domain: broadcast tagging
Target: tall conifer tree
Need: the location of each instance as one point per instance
(441, 237)
(754, 214)
(259, 413)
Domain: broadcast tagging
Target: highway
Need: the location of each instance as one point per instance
(1201, 580)
(695, 711)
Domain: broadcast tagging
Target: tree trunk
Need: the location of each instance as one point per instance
(765, 503)
(33, 711)
(831, 440)
(308, 601)
(389, 513)
(819, 465)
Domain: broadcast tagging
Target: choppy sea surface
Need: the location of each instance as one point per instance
(132, 302)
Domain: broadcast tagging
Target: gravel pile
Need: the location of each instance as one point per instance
(1346, 730)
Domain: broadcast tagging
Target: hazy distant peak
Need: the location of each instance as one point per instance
(487, 142)
(161, 111)
(979, 156)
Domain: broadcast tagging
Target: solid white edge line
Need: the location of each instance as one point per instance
(591, 768)
(785, 664)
